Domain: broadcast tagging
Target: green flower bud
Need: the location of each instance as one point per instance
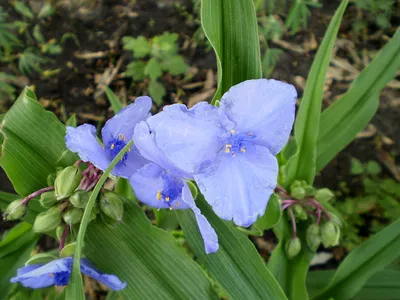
(50, 179)
(310, 191)
(48, 199)
(324, 195)
(299, 212)
(40, 258)
(330, 234)
(313, 237)
(68, 250)
(72, 215)
(79, 198)
(48, 220)
(15, 210)
(293, 247)
(298, 193)
(67, 182)
(59, 231)
(112, 206)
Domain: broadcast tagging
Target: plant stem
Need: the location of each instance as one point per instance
(63, 238)
(35, 194)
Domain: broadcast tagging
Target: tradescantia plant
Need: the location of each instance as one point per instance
(221, 167)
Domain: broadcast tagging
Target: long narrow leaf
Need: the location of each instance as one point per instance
(302, 165)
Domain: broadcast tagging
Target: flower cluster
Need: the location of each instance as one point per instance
(229, 151)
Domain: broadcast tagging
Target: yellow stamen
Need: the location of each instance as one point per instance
(243, 150)
(129, 150)
(112, 146)
(51, 274)
(232, 131)
(227, 150)
(121, 136)
(167, 199)
(159, 195)
(171, 208)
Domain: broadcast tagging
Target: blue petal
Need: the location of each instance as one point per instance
(207, 232)
(264, 108)
(83, 141)
(45, 275)
(238, 187)
(133, 162)
(125, 121)
(188, 137)
(145, 142)
(28, 268)
(111, 281)
(146, 183)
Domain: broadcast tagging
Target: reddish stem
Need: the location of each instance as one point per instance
(35, 194)
(94, 182)
(63, 238)
(321, 207)
(318, 215)
(293, 223)
(88, 169)
(78, 163)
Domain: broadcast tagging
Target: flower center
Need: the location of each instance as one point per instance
(171, 192)
(237, 142)
(115, 146)
(61, 278)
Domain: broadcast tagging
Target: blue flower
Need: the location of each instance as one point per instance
(116, 133)
(161, 185)
(58, 272)
(230, 151)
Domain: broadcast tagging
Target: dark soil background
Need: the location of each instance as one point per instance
(100, 25)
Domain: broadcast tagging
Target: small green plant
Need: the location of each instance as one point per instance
(152, 58)
(8, 38)
(299, 14)
(7, 91)
(379, 198)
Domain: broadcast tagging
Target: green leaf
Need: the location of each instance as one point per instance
(231, 27)
(373, 168)
(175, 65)
(363, 262)
(302, 165)
(153, 69)
(156, 91)
(33, 144)
(15, 248)
(30, 62)
(341, 121)
(136, 70)
(23, 9)
(147, 258)
(75, 285)
(271, 217)
(357, 167)
(164, 45)
(140, 46)
(381, 286)
(236, 266)
(114, 101)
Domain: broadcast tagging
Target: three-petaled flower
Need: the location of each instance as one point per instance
(230, 151)
(58, 272)
(116, 133)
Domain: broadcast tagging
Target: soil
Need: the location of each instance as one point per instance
(99, 26)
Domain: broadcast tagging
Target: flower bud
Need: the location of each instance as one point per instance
(299, 212)
(67, 181)
(112, 206)
(15, 210)
(330, 234)
(72, 215)
(79, 198)
(48, 199)
(298, 193)
(293, 247)
(50, 179)
(313, 237)
(324, 195)
(59, 231)
(68, 250)
(48, 220)
(310, 191)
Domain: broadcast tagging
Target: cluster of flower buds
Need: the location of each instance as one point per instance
(305, 204)
(65, 200)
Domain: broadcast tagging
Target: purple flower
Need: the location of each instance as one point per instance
(58, 272)
(161, 185)
(116, 133)
(230, 150)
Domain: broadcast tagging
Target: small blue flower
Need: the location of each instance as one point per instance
(116, 133)
(230, 150)
(58, 272)
(161, 185)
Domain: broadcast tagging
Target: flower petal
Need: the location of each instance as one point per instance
(145, 142)
(109, 280)
(83, 141)
(45, 275)
(188, 137)
(125, 121)
(28, 268)
(146, 183)
(207, 232)
(263, 107)
(133, 162)
(238, 187)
